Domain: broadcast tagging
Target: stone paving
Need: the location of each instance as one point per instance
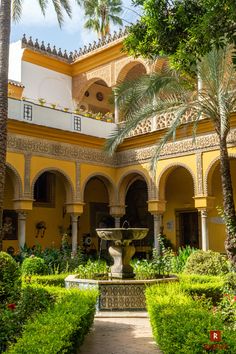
(120, 333)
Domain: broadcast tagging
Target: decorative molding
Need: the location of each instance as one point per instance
(27, 190)
(52, 51)
(56, 150)
(187, 146)
(77, 185)
(199, 173)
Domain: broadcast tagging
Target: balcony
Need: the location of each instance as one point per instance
(40, 114)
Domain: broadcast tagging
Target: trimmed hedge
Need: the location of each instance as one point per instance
(10, 281)
(33, 265)
(52, 280)
(61, 329)
(33, 299)
(182, 325)
(203, 286)
(206, 263)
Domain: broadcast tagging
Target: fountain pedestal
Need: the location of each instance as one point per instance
(121, 251)
(122, 255)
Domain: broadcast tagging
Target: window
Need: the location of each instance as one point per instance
(28, 112)
(44, 190)
(77, 123)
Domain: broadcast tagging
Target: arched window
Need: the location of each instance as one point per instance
(44, 190)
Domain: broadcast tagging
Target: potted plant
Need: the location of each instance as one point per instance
(42, 101)
(53, 105)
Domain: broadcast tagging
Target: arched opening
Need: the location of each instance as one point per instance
(95, 215)
(48, 221)
(131, 71)
(216, 225)
(181, 219)
(10, 217)
(137, 214)
(96, 101)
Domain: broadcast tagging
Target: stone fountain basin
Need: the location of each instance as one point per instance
(122, 234)
(116, 294)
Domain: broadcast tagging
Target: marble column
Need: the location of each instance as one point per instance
(157, 218)
(74, 222)
(205, 241)
(117, 221)
(21, 228)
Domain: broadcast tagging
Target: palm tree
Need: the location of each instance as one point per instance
(100, 13)
(6, 8)
(169, 92)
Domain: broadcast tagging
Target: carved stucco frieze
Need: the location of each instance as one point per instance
(27, 191)
(19, 143)
(199, 173)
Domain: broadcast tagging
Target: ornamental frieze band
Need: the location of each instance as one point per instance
(23, 144)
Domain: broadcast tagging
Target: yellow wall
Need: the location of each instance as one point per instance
(179, 196)
(53, 217)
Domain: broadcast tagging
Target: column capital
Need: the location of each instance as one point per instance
(156, 206)
(204, 202)
(117, 211)
(75, 208)
(23, 205)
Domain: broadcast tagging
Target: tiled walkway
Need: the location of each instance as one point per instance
(120, 335)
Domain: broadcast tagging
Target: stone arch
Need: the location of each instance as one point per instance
(70, 192)
(16, 179)
(127, 67)
(161, 181)
(160, 64)
(85, 81)
(109, 184)
(125, 182)
(209, 173)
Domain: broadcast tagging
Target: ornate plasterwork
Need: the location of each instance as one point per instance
(27, 191)
(176, 148)
(19, 143)
(199, 173)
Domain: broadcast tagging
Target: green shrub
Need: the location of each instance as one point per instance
(9, 278)
(182, 325)
(179, 260)
(33, 265)
(210, 287)
(92, 270)
(60, 329)
(206, 263)
(32, 300)
(52, 279)
(230, 283)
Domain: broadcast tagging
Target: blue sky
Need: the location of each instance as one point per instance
(71, 36)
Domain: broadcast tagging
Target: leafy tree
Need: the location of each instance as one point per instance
(171, 93)
(100, 13)
(6, 8)
(185, 30)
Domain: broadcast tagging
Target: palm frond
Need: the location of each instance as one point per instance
(43, 5)
(16, 9)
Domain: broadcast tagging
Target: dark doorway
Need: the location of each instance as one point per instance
(188, 228)
(137, 213)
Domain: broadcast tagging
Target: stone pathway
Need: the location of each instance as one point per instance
(127, 333)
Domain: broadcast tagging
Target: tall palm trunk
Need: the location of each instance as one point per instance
(228, 202)
(5, 23)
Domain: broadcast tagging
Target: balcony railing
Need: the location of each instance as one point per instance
(39, 114)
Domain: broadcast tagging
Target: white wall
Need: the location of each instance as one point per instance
(54, 118)
(15, 55)
(43, 83)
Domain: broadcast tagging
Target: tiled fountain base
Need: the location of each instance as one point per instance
(117, 295)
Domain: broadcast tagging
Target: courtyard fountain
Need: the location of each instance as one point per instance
(121, 291)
